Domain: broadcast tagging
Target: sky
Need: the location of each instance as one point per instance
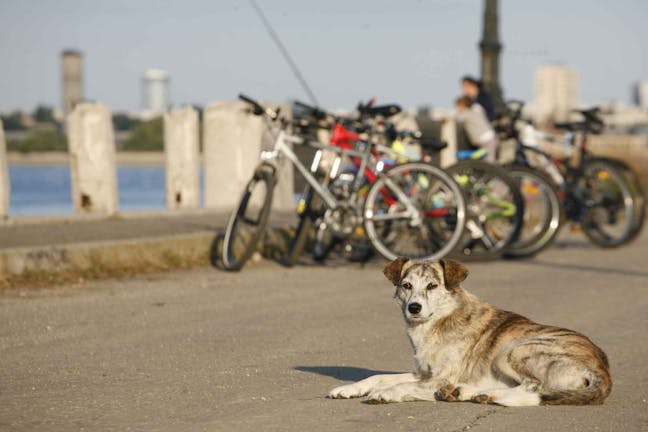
(412, 52)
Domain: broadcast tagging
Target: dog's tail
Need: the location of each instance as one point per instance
(598, 387)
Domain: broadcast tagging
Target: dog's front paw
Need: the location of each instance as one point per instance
(346, 392)
(384, 396)
(449, 393)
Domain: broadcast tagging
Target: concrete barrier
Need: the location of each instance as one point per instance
(182, 159)
(91, 145)
(231, 146)
(4, 176)
(109, 256)
(233, 140)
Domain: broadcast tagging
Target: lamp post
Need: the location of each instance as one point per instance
(490, 48)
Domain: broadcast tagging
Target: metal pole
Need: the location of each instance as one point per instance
(490, 48)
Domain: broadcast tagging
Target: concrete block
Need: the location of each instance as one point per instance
(92, 159)
(449, 135)
(182, 159)
(285, 190)
(231, 147)
(233, 140)
(4, 176)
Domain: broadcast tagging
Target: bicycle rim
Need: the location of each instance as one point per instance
(609, 217)
(495, 210)
(439, 206)
(542, 213)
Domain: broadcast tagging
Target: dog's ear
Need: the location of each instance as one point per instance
(393, 270)
(454, 273)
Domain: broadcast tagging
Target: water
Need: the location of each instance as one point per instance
(46, 190)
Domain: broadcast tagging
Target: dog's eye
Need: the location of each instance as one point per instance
(431, 286)
(407, 285)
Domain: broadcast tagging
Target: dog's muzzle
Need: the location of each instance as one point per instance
(414, 308)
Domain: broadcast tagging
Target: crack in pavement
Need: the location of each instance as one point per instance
(474, 422)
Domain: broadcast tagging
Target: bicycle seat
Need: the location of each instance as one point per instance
(380, 110)
(311, 111)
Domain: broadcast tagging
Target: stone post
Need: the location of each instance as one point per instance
(231, 146)
(182, 159)
(91, 145)
(284, 192)
(449, 135)
(232, 140)
(4, 176)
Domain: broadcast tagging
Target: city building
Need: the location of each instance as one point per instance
(556, 93)
(71, 80)
(641, 94)
(155, 87)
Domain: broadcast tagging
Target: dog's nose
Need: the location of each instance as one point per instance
(414, 308)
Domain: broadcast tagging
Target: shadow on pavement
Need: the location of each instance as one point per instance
(343, 373)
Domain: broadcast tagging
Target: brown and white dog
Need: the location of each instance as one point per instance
(467, 350)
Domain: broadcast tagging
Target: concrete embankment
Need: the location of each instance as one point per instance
(39, 250)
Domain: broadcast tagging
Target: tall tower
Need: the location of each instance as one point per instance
(155, 91)
(490, 48)
(72, 80)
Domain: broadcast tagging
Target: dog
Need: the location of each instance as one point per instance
(467, 350)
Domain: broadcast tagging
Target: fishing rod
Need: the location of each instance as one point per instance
(285, 54)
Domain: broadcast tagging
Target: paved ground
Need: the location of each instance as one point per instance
(205, 350)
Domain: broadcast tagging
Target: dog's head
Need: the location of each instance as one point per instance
(426, 290)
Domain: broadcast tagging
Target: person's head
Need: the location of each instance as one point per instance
(463, 103)
(470, 86)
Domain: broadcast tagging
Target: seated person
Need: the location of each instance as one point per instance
(480, 132)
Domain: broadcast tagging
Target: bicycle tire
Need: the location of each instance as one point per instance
(638, 194)
(540, 199)
(304, 228)
(597, 171)
(324, 243)
(484, 238)
(244, 232)
(438, 200)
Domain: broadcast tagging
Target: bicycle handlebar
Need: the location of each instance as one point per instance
(258, 108)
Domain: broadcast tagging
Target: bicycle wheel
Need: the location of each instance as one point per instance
(495, 210)
(247, 223)
(608, 220)
(542, 212)
(415, 210)
(638, 196)
(309, 209)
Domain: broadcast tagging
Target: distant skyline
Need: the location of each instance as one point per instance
(409, 51)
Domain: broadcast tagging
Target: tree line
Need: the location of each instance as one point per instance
(39, 131)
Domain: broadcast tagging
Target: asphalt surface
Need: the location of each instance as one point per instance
(205, 350)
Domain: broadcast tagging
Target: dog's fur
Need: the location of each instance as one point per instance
(466, 350)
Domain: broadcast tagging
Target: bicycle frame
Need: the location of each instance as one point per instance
(282, 148)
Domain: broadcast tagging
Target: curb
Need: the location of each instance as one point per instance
(103, 258)
(160, 252)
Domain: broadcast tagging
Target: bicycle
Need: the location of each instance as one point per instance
(600, 195)
(495, 207)
(396, 207)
